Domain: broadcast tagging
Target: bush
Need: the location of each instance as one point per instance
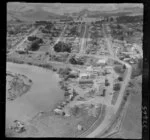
(117, 87)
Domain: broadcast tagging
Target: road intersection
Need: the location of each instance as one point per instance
(106, 122)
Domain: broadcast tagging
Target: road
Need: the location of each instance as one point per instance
(106, 124)
(61, 35)
(83, 40)
(108, 41)
(22, 41)
(58, 39)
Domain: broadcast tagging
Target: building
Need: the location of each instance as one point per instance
(101, 61)
(73, 72)
(84, 76)
(79, 127)
(67, 115)
(89, 68)
(93, 76)
(87, 82)
(58, 111)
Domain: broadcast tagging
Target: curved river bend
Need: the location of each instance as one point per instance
(43, 95)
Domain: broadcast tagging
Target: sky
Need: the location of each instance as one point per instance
(61, 8)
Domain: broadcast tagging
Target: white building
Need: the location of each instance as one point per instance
(58, 111)
(89, 68)
(83, 75)
(101, 61)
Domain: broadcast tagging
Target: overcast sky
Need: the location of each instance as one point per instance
(69, 8)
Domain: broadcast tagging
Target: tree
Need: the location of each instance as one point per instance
(64, 72)
(76, 62)
(62, 47)
(34, 46)
(73, 60)
(119, 69)
(106, 82)
(116, 87)
(120, 78)
(32, 38)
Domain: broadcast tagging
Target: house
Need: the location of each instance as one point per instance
(89, 82)
(58, 111)
(79, 127)
(84, 75)
(89, 68)
(73, 72)
(67, 115)
(93, 76)
(101, 61)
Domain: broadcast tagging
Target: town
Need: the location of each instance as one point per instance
(95, 58)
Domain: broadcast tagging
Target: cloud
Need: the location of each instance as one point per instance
(61, 8)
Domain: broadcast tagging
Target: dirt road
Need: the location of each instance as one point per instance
(23, 40)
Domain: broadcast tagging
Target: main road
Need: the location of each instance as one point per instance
(83, 41)
(107, 122)
(59, 38)
(108, 41)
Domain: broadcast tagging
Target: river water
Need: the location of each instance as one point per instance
(44, 93)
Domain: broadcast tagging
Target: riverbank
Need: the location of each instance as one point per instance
(18, 86)
(42, 96)
(35, 63)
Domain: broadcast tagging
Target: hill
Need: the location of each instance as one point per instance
(19, 12)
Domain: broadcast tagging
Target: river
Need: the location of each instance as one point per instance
(43, 95)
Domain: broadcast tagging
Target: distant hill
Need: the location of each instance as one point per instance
(20, 12)
(118, 12)
(25, 13)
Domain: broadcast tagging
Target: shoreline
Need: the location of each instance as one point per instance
(44, 66)
(18, 85)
